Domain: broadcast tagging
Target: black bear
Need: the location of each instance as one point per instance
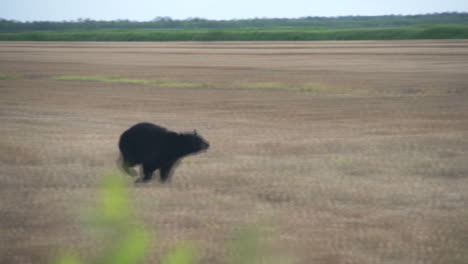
(155, 147)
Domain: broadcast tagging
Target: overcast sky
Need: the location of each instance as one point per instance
(144, 10)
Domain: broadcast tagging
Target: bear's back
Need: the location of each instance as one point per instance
(141, 140)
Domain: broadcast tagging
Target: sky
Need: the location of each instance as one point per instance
(145, 10)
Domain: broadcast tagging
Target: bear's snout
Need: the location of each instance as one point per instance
(206, 145)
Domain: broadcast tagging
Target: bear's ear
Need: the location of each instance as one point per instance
(195, 132)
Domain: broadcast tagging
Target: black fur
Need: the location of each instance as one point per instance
(155, 147)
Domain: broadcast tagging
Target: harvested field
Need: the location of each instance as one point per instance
(343, 152)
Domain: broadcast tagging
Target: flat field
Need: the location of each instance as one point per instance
(341, 152)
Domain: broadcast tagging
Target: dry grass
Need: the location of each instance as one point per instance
(7, 76)
(369, 173)
(119, 79)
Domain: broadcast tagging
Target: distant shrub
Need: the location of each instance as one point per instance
(246, 34)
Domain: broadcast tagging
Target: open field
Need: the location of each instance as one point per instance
(344, 152)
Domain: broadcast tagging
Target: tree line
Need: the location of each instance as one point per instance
(342, 22)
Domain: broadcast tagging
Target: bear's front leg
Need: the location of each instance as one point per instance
(148, 170)
(166, 170)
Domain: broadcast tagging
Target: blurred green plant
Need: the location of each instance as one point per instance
(252, 245)
(246, 247)
(183, 254)
(127, 242)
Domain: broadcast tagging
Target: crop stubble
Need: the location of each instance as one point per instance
(370, 167)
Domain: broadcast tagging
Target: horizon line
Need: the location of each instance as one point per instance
(170, 19)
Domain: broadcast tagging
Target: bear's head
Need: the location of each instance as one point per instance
(194, 143)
